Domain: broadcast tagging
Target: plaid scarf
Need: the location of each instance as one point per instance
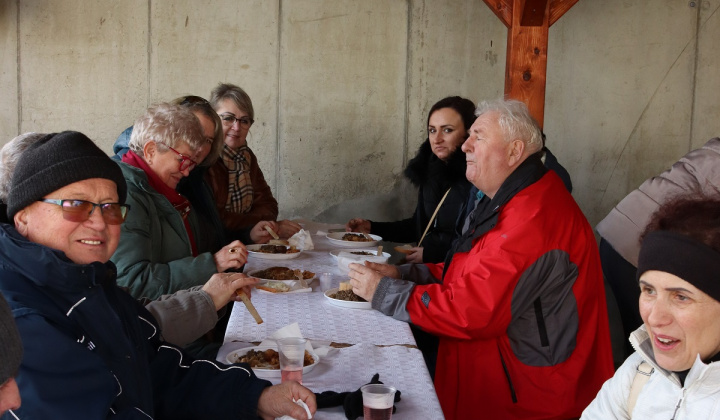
(240, 189)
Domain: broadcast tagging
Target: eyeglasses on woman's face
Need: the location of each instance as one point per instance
(79, 211)
(229, 120)
(186, 163)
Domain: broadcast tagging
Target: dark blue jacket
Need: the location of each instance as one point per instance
(93, 352)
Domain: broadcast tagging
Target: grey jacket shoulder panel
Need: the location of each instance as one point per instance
(544, 311)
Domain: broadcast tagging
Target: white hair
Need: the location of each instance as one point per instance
(515, 122)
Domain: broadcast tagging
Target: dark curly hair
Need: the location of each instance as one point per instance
(695, 216)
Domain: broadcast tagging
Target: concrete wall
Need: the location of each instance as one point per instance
(341, 88)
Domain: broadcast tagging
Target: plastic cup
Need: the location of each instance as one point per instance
(326, 281)
(377, 401)
(292, 354)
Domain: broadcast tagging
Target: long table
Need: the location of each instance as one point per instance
(369, 341)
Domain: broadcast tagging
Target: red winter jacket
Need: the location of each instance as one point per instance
(521, 315)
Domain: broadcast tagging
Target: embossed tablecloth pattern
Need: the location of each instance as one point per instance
(322, 321)
(343, 369)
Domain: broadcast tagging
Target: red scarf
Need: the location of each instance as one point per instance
(181, 204)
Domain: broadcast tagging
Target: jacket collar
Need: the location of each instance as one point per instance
(426, 166)
(640, 340)
(484, 216)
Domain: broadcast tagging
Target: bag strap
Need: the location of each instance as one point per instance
(433, 216)
(642, 375)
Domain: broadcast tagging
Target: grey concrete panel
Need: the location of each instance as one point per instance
(198, 44)
(706, 115)
(342, 101)
(455, 48)
(341, 88)
(83, 66)
(619, 95)
(8, 71)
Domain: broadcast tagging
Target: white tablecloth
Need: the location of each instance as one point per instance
(343, 369)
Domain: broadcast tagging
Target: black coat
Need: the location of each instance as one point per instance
(433, 177)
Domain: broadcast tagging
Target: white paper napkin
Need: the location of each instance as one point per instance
(292, 330)
(302, 240)
(302, 404)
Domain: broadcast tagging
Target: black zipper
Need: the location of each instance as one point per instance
(542, 328)
(507, 375)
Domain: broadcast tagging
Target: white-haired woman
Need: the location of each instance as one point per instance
(158, 253)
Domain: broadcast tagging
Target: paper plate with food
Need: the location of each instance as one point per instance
(286, 286)
(265, 360)
(273, 252)
(353, 239)
(359, 252)
(346, 299)
(283, 280)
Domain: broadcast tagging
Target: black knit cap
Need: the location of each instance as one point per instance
(58, 160)
(10, 345)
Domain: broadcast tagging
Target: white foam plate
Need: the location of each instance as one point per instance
(345, 303)
(253, 251)
(335, 238)
(233, 357)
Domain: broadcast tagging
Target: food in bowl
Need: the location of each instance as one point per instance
(281, 273)
(362, 253)
(347, 295)
(268, 359)
(277, 249)
(356, 237)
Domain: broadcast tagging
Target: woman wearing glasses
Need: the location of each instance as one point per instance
(90, 350)
(242, 196)
(158, 252)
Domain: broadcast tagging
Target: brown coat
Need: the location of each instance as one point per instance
(264, 207)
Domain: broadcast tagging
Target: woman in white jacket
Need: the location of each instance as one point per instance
(679, 341)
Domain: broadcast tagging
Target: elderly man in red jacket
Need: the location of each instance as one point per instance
(519, 304)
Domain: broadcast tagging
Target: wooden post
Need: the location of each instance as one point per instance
(528, 23)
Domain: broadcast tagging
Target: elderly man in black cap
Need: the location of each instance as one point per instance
(91, 350)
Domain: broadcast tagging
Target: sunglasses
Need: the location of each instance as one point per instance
(79, 211)
(185, 161)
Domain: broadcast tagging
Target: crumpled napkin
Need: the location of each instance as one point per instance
(302, 404)
(302, 240)
(292, 330)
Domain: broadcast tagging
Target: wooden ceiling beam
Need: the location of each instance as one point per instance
(528, 23)
(502, 9)
(533, 13)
